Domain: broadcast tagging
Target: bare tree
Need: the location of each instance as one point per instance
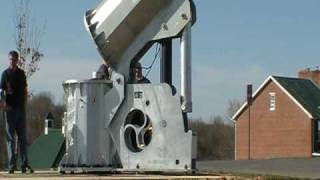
(216, 135)
(232, 107)
(27, 38)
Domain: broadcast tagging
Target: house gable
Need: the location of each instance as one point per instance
(283, 82)
(262, 133)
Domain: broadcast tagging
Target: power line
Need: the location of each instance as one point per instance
(156, 55)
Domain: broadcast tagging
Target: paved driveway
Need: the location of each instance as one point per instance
(54, 175)
(301, 168)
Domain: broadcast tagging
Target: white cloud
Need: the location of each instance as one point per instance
(213, 87)
(4, 61)
(53, 72)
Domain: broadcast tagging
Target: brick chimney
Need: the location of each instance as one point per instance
(310, 74)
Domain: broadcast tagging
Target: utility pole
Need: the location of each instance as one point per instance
(249, 101)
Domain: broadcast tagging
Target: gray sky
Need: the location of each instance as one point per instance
(234, 43)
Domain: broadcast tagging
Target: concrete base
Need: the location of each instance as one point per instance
(127, 176)
(106, 170)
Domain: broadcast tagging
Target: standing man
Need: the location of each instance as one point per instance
(14, 83)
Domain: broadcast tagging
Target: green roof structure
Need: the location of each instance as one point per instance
(306, 92)
(47, 150)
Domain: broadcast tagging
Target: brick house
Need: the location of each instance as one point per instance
(282, 120)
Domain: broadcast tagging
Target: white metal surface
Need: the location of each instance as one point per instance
(86, 140)
(132, 127)
(95, 139)
(170, 147)
(123, 29)
(186, 73)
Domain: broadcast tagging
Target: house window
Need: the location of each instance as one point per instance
(272, 101)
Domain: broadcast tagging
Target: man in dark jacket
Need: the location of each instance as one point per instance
(14, 83)
(138, 77)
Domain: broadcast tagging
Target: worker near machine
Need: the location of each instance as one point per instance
(138, 77)
(104, 71)
(14, 84)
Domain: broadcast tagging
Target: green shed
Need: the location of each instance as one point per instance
(47, 151)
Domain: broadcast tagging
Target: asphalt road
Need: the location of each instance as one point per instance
(54, 175)
(300, 168)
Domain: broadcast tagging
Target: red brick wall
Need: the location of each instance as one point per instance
(285, 132)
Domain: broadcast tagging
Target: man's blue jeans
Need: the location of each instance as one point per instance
(16, 123)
